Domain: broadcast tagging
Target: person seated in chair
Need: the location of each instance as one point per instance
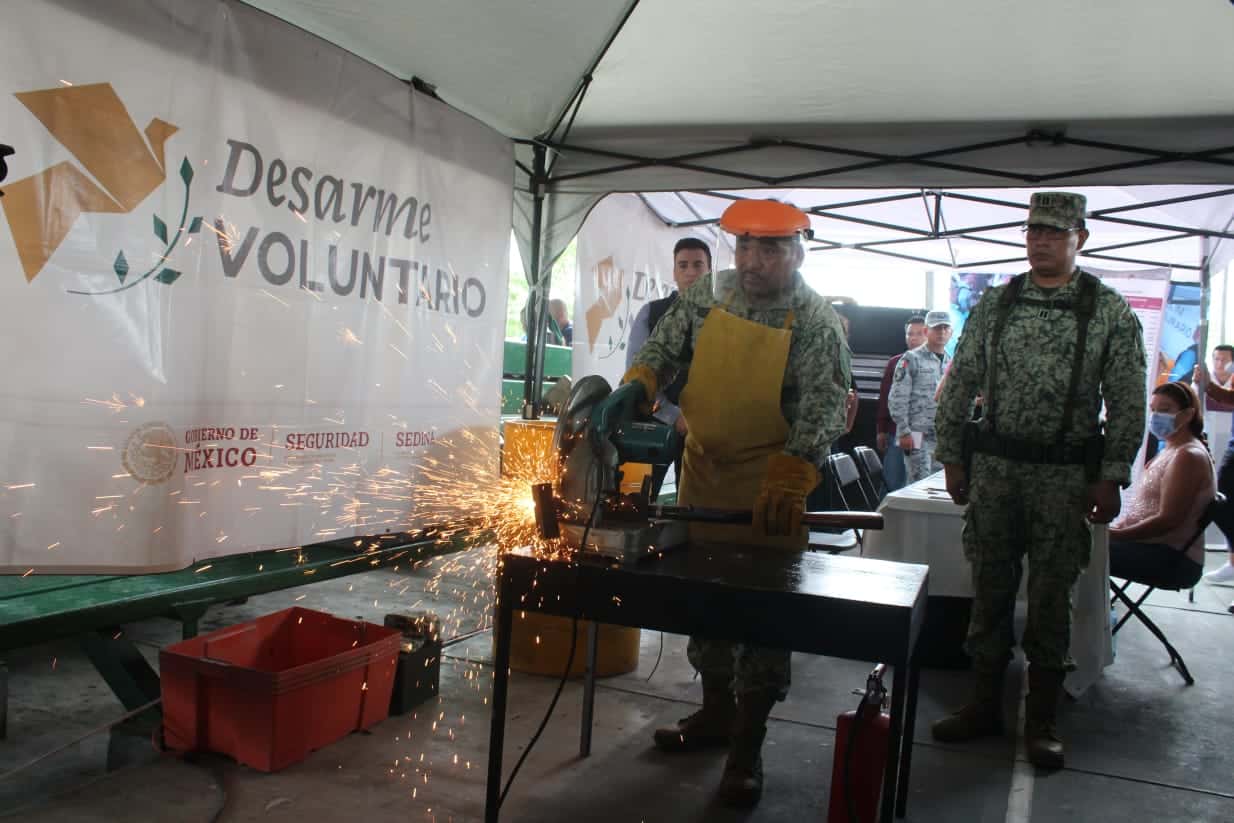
(1154, 541)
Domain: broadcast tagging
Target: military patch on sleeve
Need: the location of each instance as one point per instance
(901, 370)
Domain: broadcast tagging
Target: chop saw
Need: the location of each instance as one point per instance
(597, 431)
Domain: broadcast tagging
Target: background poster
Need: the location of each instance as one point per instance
(1178, 352)
(625, 260)
(248, 284)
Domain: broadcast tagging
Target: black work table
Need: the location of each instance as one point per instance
(851, 607)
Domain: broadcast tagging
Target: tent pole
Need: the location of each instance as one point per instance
(537, 296)
(1206, 292)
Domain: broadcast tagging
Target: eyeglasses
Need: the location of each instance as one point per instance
(766, 248)
(1047, 231)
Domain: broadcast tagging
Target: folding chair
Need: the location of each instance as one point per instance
(841, 484)
(1133, 608)
(871, 469)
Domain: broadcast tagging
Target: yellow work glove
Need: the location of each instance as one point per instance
(782, 499)
(647, 378)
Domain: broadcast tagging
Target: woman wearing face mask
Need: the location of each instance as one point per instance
(1153, 539)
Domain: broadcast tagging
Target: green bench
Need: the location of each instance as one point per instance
(40, 608)
(514, 366)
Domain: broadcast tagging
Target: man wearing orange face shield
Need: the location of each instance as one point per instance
(768, 373)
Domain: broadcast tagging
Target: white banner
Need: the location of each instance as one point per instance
(247, 283)
(1145, 291)
(625, 260)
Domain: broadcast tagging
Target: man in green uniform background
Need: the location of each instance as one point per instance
(1044, 351)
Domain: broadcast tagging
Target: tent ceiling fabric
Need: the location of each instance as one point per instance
(702, 63)
(835, 93)
(512, 65)
(826, 62)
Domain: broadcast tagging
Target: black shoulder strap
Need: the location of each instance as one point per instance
(1005, 301)
(1085, 307)
(658, 308)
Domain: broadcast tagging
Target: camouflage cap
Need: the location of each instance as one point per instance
(1060, 209)
(937, 318)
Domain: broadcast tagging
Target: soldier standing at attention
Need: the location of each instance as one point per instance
(1044, 350)
(911, 400)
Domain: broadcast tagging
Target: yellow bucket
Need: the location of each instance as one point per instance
(540, 643)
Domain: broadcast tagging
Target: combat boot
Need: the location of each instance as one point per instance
(1041, 740)
(709, 727)
(982, 716)
(742, 783)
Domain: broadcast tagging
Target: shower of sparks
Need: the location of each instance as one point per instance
(467, 495)
(114, 405)
(228, 235)
(284, 303)
(452, 485)
(348, 336)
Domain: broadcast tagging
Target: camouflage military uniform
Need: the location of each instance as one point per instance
(911, 404)
(818, 374)
(816, 381)
(1017, 507)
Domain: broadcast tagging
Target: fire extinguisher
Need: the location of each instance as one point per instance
(862, 740)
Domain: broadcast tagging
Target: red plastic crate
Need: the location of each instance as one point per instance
(270, 691)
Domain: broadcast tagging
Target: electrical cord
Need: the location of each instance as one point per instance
(156, 742)
(565, 675)
(216, 769)
(102, 728)
(659, 655)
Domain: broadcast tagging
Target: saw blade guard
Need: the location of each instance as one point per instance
(587, 467)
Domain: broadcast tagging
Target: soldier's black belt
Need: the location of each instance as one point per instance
(1028, 451)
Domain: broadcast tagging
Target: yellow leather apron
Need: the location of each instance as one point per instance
(732, 406)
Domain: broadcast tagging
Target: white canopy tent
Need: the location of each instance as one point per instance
(687, 95)
(979, 229)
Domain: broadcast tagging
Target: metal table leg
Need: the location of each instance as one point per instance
(893, 743)
(122, 665)
(501, 682)
(906, 746)
(589, 688)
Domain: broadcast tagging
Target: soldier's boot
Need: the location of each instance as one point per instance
(742, 783)
(709, 727)
(1041, 740)
(982, 716)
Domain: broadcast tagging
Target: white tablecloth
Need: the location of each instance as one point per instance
(922, 525)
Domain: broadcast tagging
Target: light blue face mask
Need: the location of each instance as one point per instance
(1162, 424)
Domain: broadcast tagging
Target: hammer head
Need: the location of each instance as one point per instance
(546, 510)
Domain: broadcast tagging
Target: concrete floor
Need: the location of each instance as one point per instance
(1141, 745)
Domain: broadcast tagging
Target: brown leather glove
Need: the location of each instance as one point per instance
(647, 378)
(782, 500)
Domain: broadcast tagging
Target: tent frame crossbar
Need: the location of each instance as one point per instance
(873, 159)
(543, 180)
